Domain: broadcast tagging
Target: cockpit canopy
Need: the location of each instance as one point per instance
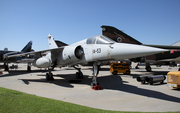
(100, 39)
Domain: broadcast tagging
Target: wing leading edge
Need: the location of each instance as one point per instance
(55, 50)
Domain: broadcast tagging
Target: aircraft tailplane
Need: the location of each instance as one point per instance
(52, 43)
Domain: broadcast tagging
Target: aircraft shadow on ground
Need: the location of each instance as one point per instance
(59, 82)
(111, 82)
(147, 93)
(119, 85)
(64, 80)
(20, 72)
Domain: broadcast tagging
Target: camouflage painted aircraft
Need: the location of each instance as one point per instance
(160, 58)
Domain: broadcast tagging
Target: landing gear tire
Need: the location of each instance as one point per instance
(96, 86)
(162, 82)
(6, 68)
(114, 73)
(127, 73)
(151, 83)
(28, 68)
(143, 82)
(79, 75)
(148, 69)
(49, 76)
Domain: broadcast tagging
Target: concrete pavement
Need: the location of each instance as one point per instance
(120, 92)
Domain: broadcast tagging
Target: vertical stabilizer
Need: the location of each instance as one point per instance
(118, 36)
(28, 47)
(52, 43)
(5, 49)
(176, 44)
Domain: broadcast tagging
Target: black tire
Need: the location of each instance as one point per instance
(6, 68)
(47, 76)
(79, 75)
(114, 73)
(143, 82)
(28, 68)
(127, 73)
(162, 82)
(151, 83)
(148, 69)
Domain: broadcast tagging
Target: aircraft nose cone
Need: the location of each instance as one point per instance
(122, 51)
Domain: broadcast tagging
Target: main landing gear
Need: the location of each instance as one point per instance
(29, 67)
(6, 67)
(148, 67)
(79, 74)
(49, 75)
(95, 85)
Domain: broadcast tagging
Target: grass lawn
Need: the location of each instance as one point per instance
(17, 102)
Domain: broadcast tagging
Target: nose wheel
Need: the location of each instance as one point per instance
(96, 86)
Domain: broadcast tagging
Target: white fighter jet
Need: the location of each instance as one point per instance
(92, 50)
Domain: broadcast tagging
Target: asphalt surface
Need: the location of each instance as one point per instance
(120, 92)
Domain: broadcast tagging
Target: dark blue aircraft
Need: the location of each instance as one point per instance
(24, 59)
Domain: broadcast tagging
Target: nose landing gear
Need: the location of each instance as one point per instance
(95, 85)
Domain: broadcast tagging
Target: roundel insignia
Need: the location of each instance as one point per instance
(103, 29)
(119, 39)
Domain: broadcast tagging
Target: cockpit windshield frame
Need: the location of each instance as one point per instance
(100, 39)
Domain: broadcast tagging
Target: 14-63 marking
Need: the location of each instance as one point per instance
(98, 50)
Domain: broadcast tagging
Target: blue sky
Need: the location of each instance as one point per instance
(148, 21)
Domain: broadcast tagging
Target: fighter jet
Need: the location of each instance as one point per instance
(121, 37)
(92, 50)
(27, 59)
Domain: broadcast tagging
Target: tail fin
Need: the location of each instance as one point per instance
(28, 47)
(52, 43)
(5, 49)
(118, 35)
(176, 44)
